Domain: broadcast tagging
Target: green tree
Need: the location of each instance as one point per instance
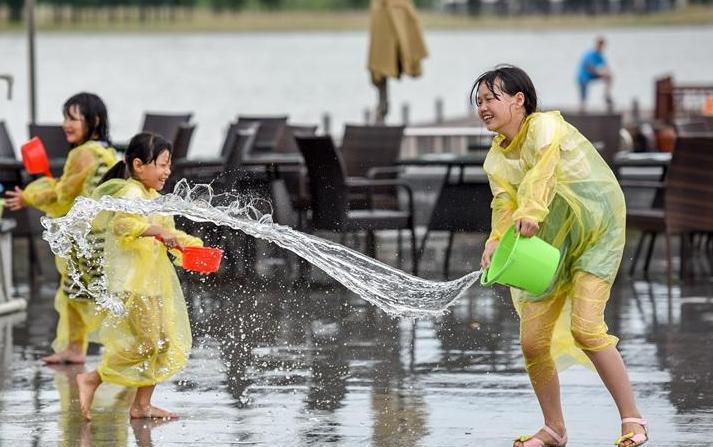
(15, 8)
(272, 4)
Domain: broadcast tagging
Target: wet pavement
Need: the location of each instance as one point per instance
(279, 363)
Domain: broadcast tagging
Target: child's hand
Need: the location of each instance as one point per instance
(488, 253)
(13, 199)
(527, 227)
(169, 239)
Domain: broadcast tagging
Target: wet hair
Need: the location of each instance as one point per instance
(92, 108)
(512, 81)
(145, 146)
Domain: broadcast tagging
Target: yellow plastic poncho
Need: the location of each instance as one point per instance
(151, 341)
(551, 174)
(84, 168)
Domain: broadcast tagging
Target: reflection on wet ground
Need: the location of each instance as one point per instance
(283, 364)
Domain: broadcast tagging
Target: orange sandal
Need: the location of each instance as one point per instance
(638, 438)
(531, 441)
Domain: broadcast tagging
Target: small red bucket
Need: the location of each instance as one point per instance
(199, 259)
(202, 259)
(34, 157)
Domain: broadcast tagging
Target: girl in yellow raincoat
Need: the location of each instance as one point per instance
(86, 128)
(548, 180)
(151, 341)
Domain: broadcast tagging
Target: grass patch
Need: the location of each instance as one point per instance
(204, 20)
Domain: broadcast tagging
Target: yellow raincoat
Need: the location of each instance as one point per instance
(84, 168)
(151, 341)
(551, 174)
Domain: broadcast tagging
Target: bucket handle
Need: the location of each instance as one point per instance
(484, 281)
(160, 239)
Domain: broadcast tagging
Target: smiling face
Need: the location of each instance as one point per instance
(499, 111)
(75, 126)
(153, 174)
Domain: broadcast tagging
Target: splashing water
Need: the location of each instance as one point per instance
(393, 290)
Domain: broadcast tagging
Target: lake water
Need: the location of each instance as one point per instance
(218, 76)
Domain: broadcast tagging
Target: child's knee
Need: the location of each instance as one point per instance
(535, 348)
(590, 337)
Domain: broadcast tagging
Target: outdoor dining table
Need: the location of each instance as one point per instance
(273, 161)
(462, 205)
(629, 167)
(643, 159)
(10, 164)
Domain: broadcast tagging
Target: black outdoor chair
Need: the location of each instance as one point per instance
(329, 190)
(295, 177)
(269, 133)
(372, 152)
(602, 129)
(55, 143)
(287, 143)
(11, 175)
(183, 141)
(7, 149)
(367, 147)
(222, 170)
(165, 124)
(10, 166)
(686, 207)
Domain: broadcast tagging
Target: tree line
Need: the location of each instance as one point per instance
(85, 9)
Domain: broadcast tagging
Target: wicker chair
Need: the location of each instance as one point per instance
(687, 208)
(165, 124)
(329, 190)
(269, 133)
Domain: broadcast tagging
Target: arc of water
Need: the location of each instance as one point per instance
(393, 290)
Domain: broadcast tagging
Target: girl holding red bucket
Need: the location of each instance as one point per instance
(548, 180)
(151, 341)
(86, 128)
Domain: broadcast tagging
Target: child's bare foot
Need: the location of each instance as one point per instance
(88, 384)
(151, 412)
(67, 356)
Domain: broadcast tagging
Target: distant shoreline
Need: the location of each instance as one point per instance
(203, 20)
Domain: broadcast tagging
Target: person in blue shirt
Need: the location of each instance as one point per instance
(594, 66)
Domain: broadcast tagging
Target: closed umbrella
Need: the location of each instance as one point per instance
(396, 46)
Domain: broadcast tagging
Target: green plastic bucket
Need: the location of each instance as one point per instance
(527, 263)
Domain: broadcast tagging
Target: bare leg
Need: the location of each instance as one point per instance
(549, 397)
(611, 369)
(590, 331)
(88, 384)
(142, 408)
(537, 322)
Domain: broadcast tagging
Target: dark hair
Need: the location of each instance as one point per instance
(512, 81)
(145, 146)
(94, 112)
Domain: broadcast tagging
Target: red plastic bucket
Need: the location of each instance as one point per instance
(34, 157)
(202, 259)
(199, 259)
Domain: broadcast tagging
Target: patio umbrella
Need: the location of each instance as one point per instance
(396, 46)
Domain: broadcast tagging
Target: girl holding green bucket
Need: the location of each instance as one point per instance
(548, 180)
